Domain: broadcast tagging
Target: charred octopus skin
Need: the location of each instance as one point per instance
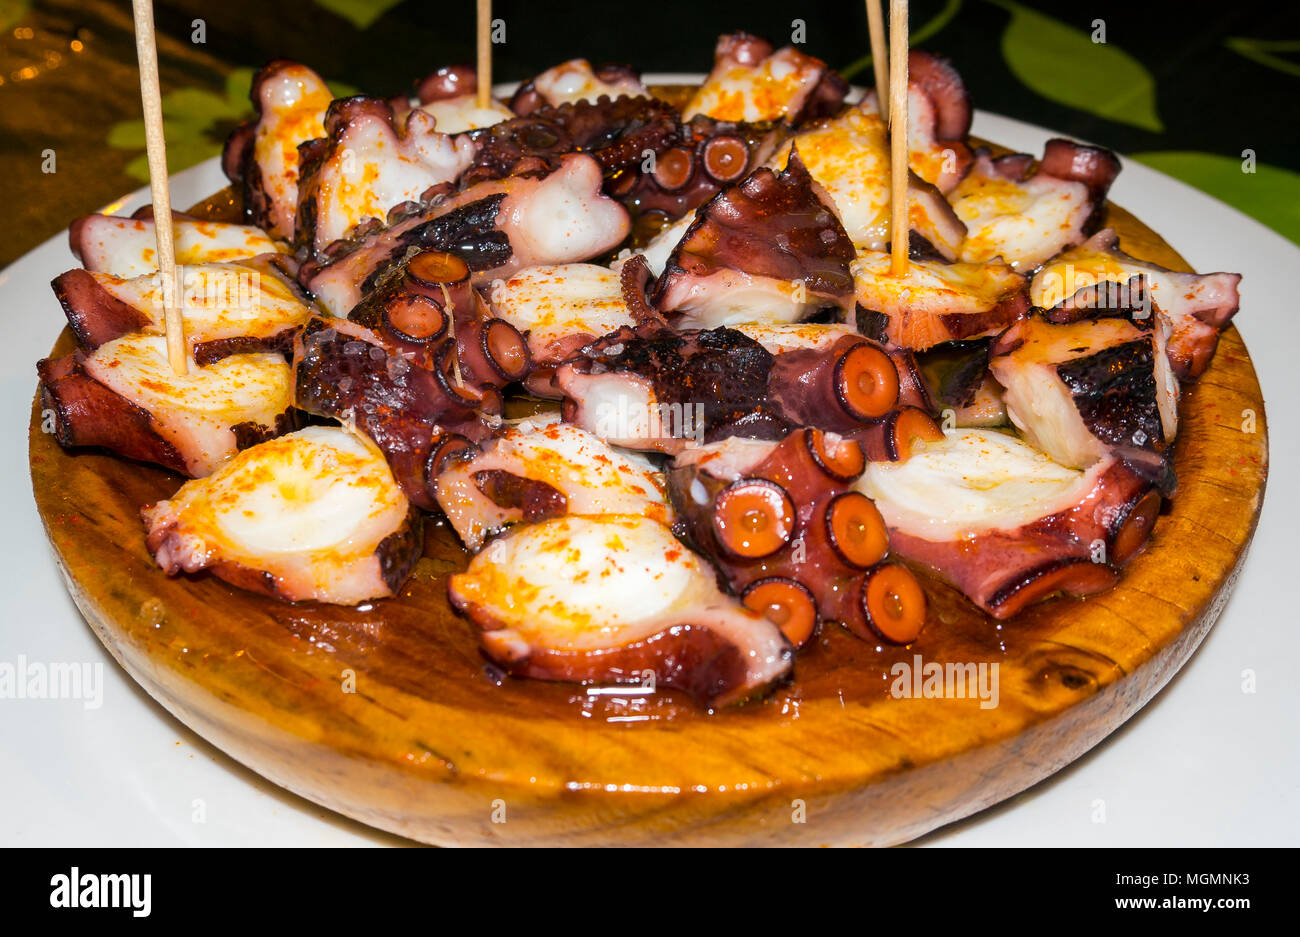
(782, 523)
(1199, 306)
(597, 599)
(1082, 383)
(659, 390)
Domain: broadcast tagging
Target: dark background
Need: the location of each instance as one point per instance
(68, 80)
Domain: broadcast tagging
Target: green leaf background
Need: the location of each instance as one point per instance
(1063, 64)
(1271, 194)
(1265, 52)
(360, 13)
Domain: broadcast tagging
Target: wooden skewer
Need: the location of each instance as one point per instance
(879, 57)
(899, 225)
(484, 53)
(146, 51)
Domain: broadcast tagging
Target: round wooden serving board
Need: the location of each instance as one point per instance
(388, 714)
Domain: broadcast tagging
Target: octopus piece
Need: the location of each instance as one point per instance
(1082, 388)
(561, 218)
(660, 390)
(615, 132)
(416, 416)
(465, 227)
(840, 387)
(938, 122)
(497, 227)
(125, 397)
(655, 389)
(542, 468)
(823, 338)
(608, 598)
(848, 157)
(621, 134)
(261, 156)
(366, 164)
(426, 310)
(311, 516)
(575, 80)
(946, 96)
(560, 308)
(1005, 524)
(751, 82)
(934, 230)
(227, 308)
(935, 302)
(450, 96)
(687, 171)
(765, 249)
(781, 522)
(1198, 305)
(1026, 217)
(127, 247)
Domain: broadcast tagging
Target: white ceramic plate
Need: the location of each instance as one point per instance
(1203, 764)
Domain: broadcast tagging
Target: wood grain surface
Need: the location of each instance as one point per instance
(388, 713)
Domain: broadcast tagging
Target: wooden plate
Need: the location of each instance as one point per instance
(388, 713)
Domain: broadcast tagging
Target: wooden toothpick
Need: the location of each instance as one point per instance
(879, 58)
(899, 225)
(484, 53)
(146, 51)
